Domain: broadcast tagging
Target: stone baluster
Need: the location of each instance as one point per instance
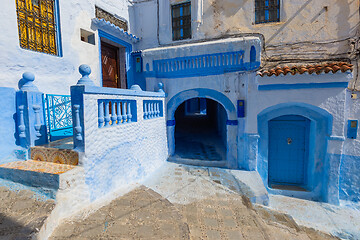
(37, 123)
(21, 122)
(123, 112)
(157, 110)
(107, 114)
(77, 127)
(151, 112)
(129, 116)
(118, 112)
(113, 113)
(101, 113)
(145, 111)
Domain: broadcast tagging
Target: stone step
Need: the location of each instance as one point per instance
(60, 151)
(42, 174)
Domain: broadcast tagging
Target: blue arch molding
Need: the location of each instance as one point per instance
(181, 97)
(320, 130)
(129, 59)
(202, 65)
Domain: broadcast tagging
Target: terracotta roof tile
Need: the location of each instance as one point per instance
(332, 67)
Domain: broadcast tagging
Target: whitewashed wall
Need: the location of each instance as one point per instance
(54, 74)
(118, 155)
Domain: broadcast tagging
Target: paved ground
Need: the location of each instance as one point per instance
(21, 214)
(338, 220)
(192, 207)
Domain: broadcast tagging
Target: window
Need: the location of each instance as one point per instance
(181, 21)
(37, 25)
(267, 11)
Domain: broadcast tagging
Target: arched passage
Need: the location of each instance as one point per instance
(200, 131)
(230, 121)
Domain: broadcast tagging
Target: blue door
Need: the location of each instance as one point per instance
(288, 150)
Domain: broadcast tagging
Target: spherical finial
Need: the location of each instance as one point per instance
(26, 82)
(84, 70)
(28, 76)
(136, 87)
(161, 87)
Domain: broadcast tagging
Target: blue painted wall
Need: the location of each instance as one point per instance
(350, 178)
(7, 120)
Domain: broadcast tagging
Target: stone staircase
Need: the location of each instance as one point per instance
(52, 167)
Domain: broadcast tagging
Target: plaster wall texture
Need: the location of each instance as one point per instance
(350, 160)
(121, 154)
(55, 74)
(332, 100)
(325, 164)
(307, 29)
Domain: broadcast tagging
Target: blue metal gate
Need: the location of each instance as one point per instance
(58, 116)
(288, 150)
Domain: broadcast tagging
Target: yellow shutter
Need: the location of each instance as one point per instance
(36, 22)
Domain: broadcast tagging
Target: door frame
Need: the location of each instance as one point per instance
(128, 59)
(320, 130)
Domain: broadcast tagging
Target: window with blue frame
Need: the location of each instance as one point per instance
(181, 21)
(195, 106)
(37, 23)
(267, 11)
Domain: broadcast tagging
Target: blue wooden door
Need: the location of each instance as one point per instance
(288, 150)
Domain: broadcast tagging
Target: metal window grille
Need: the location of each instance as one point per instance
(37, 27)
(267, 11)
(181, 21)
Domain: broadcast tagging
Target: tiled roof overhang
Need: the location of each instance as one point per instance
(310, 69)
(106, 25)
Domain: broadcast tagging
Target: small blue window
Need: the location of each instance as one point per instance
(181, 21)
(267, 11)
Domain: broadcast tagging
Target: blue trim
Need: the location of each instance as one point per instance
(320, 129)
(170, 123)
(118, 91)
(201, 65)
(232, 122)
(129, 60)
(181, 97)
(302, 86)
(337, 138)
(58, 28)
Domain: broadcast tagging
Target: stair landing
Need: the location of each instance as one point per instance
(60, 151)
(35, 173)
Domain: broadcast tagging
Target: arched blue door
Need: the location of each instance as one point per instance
(288, 150)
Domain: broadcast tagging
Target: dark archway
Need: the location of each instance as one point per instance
(200, 132)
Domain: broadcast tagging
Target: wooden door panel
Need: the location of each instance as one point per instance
(288, 145)
(109, 64)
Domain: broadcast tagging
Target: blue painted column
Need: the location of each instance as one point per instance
(77, 104)
(30, 114)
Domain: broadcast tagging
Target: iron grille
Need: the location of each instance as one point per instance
(181, 21)
(267, 11)
(59, 115)
(37, 27)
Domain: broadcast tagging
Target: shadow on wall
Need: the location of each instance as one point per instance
(290, 19)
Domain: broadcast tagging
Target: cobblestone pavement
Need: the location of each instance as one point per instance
(192, 207)
(21, 215)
